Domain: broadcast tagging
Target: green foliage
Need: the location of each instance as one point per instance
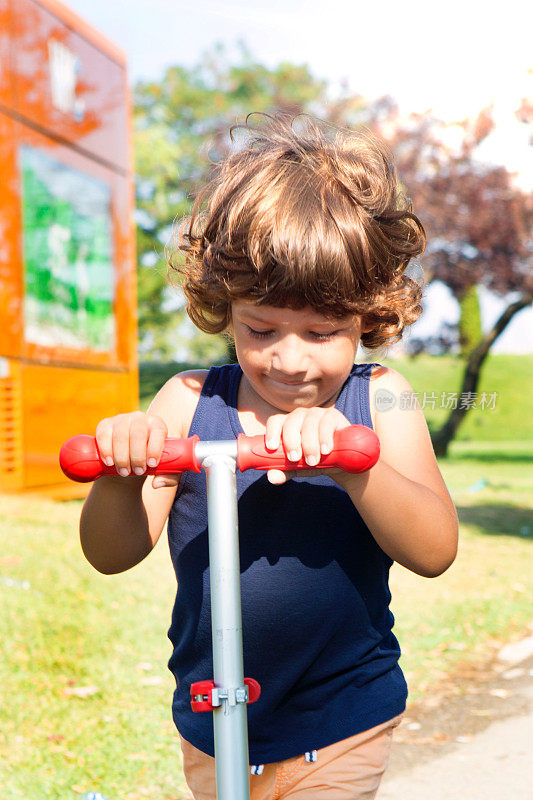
(470, 330)
(152, 376)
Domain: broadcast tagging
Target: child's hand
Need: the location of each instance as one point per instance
(307, 431)
(132, 442)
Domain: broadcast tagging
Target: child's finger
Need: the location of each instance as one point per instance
(121, 446)
(104, 441)
(310, 437)
(162, 481)
(278, 477)
(291, 434)
(138, 440)
(327, 427)
(274, 425)
(156, 440)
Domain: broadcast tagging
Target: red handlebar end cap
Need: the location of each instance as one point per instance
(357, 447)
(79, 458)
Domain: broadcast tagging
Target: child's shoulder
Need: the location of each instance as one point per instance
(388, 391)
(177, 399)
(387, 377)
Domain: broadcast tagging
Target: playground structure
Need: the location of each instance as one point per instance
(68, 331)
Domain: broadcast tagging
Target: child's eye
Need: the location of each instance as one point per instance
(319, 337)
(258, 334)
(323, 337)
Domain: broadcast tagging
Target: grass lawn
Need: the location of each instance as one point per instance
(483, 600)
(508, 377)
(83, 665)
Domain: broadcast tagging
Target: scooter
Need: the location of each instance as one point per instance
(356, 449)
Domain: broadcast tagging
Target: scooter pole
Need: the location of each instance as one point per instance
(356, 449)
(229, 694)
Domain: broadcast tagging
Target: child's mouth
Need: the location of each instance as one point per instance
(288, 384)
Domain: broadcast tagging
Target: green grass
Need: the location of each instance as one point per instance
(83, 666)
(483, 600)
(510, 377)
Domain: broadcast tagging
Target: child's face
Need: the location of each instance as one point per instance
(291, 358)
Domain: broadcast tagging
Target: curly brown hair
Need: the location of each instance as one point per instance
(314, 217)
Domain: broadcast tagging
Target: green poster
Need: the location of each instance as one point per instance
(68, 255)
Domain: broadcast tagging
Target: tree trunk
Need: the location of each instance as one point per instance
(470, 331)
(442, 438)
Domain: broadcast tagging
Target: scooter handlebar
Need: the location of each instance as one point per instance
(356, 449)
(80, 458)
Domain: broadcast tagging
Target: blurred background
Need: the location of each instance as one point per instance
(450, 89)
(112, 114)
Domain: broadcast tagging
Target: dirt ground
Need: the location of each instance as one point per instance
(463, 705)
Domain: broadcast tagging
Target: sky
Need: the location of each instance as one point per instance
(454, 58)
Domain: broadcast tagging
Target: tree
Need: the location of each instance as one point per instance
(478, 222)
(181, 131)
(442, 438)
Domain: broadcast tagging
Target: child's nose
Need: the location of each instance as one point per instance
(290, 357)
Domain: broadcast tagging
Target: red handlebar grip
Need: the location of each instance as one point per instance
(80, 459)
(355, 449)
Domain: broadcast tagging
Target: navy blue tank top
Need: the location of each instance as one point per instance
(317, 629)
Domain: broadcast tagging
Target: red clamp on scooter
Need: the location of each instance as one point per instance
(205, 696)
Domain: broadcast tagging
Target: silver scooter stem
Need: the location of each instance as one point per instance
(230, 694)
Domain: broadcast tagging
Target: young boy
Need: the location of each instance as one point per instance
(301, 254)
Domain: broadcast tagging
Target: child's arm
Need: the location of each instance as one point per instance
(123, 517)
(403, 499)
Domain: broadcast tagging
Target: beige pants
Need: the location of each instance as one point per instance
(347, 770)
